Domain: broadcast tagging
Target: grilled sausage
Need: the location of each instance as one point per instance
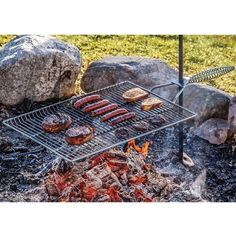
(122, 118)
(96, 105)
(92, 98)
(113, 114)
(105, 109)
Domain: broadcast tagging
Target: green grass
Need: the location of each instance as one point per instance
(200, 51)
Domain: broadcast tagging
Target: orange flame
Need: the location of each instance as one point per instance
(143, 150)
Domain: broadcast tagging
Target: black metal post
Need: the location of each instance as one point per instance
(181, 134)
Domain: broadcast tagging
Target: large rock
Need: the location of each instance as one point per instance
(37, 68)
(206, 101)
(214, 130)
(146, 72)
(232, 115)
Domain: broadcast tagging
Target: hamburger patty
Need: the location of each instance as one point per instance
(57, 122)
(79, 134)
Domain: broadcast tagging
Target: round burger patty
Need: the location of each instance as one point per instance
(122, 133)
(141, 125)
(56, 122)
(157, 120)
(79, 134)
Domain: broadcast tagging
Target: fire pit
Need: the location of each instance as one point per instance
(107, 170)
(26, 168)
(149, 171)
(111, 176)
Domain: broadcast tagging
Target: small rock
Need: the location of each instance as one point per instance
(187, 161)
(199, 185)
(37, 68)
(232, 115)
(214, 130)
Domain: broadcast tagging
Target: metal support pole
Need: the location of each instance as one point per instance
(181, 134)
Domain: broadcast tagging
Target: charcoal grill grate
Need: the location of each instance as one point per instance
(29, 124)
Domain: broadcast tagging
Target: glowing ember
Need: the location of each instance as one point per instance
(113, 176)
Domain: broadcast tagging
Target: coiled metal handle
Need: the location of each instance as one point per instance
(210, 74)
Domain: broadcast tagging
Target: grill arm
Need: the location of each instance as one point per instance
(182, 87)
(197, 78)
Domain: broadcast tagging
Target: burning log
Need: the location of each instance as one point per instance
(113, 176)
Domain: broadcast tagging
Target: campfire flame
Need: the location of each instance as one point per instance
(142, 150)
(113, 176)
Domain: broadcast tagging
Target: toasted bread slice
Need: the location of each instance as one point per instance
(151, 103)
(134, 94)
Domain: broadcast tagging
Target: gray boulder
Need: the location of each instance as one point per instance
(37, 68)
(232, 115)
(206, 101)
(214, 130)
(146, 72)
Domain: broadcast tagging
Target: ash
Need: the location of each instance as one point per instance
(212, 178)
(25, 165)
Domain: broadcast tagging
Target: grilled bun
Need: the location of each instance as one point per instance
(134, 94)
(151, 103)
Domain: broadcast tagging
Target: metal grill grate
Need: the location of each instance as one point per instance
(29, 124)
